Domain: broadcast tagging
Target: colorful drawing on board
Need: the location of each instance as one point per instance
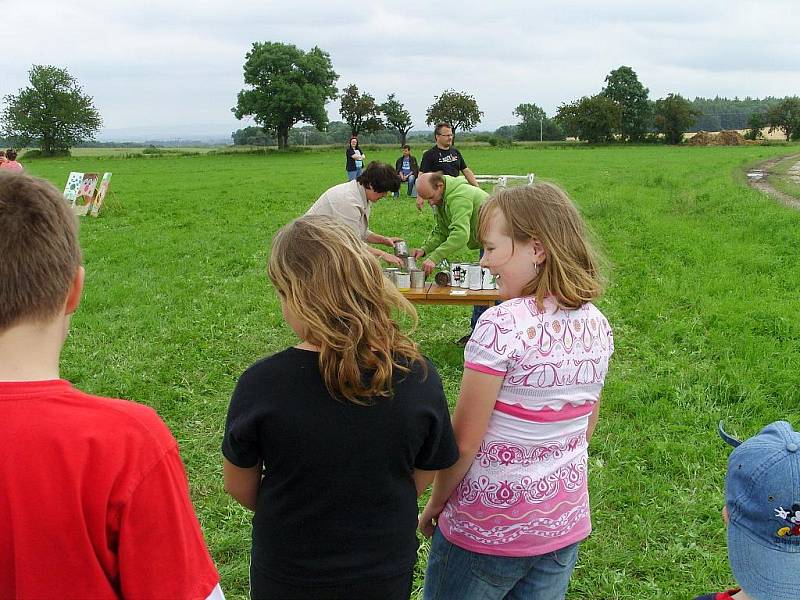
(73, 185)
(100, 196)
(86, 193)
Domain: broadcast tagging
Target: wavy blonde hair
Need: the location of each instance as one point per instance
(543, 211)
(336, 289)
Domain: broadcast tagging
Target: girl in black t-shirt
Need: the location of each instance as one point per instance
(331, 441)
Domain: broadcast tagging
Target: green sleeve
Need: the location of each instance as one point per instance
(435, 238)
(457, 235)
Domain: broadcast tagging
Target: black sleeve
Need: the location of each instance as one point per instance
(240, 442)
(439, 450)
(414, 166)
(428, 162)
(462, 164)
(398, 164)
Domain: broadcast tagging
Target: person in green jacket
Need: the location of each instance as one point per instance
(455, 205)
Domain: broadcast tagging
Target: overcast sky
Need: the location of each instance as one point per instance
(176, 64)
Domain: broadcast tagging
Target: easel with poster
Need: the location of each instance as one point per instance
(84, 193)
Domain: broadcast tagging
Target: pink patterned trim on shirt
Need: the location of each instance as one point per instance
(545, 415)
(483, 369)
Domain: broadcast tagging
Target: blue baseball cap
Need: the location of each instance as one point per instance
(762, 493)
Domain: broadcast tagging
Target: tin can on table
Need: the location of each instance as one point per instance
(411, 263)
(488, 279)
(456, 274)
(442, 278)
(475, 276)
(403, 281)
(464, 276)
(401, 248)
(391, 274)
(417, 278)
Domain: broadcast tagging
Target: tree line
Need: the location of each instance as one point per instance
(288, 89)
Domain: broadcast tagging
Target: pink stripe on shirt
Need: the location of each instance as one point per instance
(545, 415)
(483, 369)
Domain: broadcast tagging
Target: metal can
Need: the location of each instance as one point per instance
(456, 274)
(391, 274)
(403, 281)
(411, 263)
(401, 248)
(417, 278)
(488, 279)
(442, 278)
(475, 276)
(464, 275)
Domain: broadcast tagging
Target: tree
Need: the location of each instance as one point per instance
(287, 86)
(592, 118)
(785, 116)
(360, 111)
(456, 108)
(535, 124)
(53, 112)
(252, 136)
(755, 123)
(624, 88)
(674, 115)
(397, 117)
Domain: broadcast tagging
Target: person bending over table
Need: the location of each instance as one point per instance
(351, 203)
(455, 204)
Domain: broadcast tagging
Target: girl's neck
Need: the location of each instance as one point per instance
(304, 345)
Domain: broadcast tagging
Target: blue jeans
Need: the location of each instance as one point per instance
(412, 191)
(457, 574)
(353, 174)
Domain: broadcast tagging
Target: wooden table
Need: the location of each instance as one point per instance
(438, 294)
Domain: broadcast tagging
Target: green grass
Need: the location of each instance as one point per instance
(704, 299)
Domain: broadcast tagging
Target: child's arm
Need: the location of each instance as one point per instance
(593, 420)
(470, 421)
(422, 479)
(241, 483)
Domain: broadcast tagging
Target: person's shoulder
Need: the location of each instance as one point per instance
(277, 366)
(124, 419)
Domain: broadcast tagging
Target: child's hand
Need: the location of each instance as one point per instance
(428, 518)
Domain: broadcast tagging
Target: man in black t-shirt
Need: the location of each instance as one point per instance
(443, 157)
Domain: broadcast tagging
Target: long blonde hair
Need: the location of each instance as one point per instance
(542, 211)
(335, 288)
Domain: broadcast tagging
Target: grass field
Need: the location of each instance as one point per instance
(704, 301)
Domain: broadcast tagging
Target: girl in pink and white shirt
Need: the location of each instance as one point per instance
(513, 509)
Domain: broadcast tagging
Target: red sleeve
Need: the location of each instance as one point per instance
(162, 553)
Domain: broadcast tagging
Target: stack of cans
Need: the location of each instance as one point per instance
(471, 276)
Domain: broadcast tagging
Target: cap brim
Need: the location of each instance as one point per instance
(729, 439)
(765, 573)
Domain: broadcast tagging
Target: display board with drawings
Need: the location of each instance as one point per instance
(85, 194)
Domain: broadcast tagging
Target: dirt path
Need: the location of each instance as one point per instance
(757, 178)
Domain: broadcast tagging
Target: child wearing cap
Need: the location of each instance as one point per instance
(94, 501)
(762, 514)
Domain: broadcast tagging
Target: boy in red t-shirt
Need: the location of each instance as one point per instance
(94, 501)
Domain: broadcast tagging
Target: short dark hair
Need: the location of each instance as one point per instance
(379, 177)
(406, 147)
(439, 127)
(11, 154)
(39, 250)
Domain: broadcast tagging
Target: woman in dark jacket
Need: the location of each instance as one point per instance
(355, 159)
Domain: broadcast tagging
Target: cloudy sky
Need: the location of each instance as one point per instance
(176, 65)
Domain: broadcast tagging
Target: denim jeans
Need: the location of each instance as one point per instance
(353, 174)
(457, 574)
(412, 190)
